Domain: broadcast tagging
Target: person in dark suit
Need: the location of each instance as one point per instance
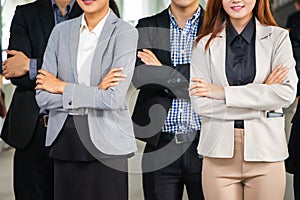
(294, 18)
(2, 103)
(293, 161)
(171, 130)
(25, 125)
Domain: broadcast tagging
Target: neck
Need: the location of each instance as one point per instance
(182, 14)
(239, 24)
(62, 5)
(92, 19)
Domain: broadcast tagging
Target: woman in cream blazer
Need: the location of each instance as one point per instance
(247, 162)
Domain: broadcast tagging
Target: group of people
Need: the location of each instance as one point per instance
(212, 85)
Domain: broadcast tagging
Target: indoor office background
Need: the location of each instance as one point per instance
(131, 11)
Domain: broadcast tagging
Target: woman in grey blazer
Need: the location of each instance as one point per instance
(87, 69)
(243, 73)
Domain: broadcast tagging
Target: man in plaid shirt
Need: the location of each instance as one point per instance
(162, 75)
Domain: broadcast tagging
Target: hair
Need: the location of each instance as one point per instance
(113, 5)
(297, 1)
(215, 18)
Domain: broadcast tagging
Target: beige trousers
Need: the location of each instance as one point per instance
(236, 179)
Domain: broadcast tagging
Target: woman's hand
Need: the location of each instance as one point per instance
(204, 89)
(113, 78)
(277, 76)
(48, 82)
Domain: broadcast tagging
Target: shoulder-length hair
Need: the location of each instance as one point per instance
(215, 18)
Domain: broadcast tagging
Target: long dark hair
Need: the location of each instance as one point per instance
(215, 18)
(113, 5)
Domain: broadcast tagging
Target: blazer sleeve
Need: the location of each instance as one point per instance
(46, 99)
(200, 67)
(114, 97)
(20, 40)
(295, 39)
(170, 80)
(268, 97)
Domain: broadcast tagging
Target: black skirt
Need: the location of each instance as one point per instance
(79, 176)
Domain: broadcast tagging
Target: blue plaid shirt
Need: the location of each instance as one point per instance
(181, 117)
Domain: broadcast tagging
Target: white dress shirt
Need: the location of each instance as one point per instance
(86, 49)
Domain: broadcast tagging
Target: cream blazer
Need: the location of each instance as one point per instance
(264, 137)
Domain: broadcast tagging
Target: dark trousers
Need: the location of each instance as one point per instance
(33, 169)
(167, 183)
(297, 186)
(292, 163)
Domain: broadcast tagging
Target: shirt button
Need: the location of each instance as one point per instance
(70, 103)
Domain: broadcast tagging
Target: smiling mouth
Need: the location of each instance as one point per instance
(237, 8)
(88, 2)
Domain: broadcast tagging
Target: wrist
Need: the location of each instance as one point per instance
(61, 87)
(27, 66)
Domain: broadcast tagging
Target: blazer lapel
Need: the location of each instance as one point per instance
(46, 16)
(262, 51)
(103, 41)
(73, 44)
(218, 55)
(163, 23)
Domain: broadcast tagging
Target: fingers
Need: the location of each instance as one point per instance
(277, 76)
(282, 76)
(116, 69)
(198, 80)
(113, 78)
(148, 57)
(43, 72)
(198, 85)
(12, 52)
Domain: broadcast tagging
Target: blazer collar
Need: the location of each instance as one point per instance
(218, 48)
(262, 31)
(103, 41)
(163, 21)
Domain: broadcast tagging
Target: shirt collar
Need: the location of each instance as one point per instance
(247, 34)
(68, 8)
(98, 28)
(192, 20)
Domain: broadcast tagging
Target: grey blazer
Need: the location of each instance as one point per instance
(264, 136)
(110, 125)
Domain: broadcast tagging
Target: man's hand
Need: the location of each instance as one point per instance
(113, 78)
(48, 82)
(148, 57)
(15, 66)
(277, 76)
(204, 89)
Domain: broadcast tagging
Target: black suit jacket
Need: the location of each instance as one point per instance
(30, 29)
(293, 161)
(158, 85)
(295, 39)
(293, 19)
